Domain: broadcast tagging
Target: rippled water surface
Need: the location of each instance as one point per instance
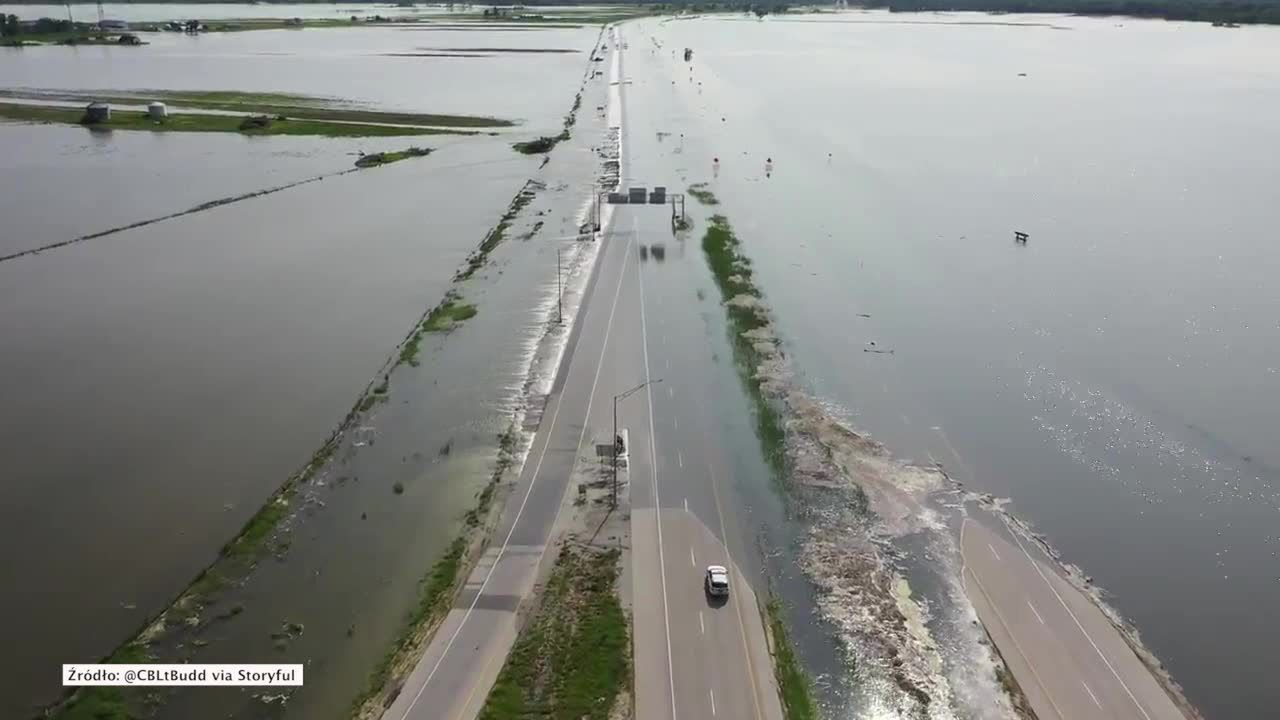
(1117, 376)
(161, 382)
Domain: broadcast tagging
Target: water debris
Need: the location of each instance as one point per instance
(856, 500)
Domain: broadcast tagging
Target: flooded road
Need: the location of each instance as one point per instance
(1116, 376)
(163, 381)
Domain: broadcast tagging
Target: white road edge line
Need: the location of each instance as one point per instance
(686, 504)
(964, 568)
(701, 625)
(1095, 697)
(1025, 658)
(993, 550)
(653, 454)
(533, 481)
(712, 693)
(692, 560)
(1076, 620)
(1037, 612)
(737, 606)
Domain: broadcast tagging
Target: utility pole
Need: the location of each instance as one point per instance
(613, 497)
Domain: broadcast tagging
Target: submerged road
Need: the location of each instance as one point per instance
(1069, 659)
(693, 658)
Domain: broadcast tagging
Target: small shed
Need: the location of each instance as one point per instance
(97, 112)
(157, 111)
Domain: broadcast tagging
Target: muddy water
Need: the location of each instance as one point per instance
(1116, 376)
(163, 381)
(214, 11)
(76, 172)
(356, 65)
(357, 549)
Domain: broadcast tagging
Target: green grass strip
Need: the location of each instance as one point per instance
(298, 107)
(571, 660)
(793, 683)
(733, 276)
(700, 193)
(179, 122)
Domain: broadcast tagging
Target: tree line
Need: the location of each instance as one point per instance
(1218, 11)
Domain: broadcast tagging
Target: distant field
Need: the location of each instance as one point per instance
(137, 120)
(297, 107)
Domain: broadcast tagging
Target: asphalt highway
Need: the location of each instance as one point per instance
(1069, 659)
(693, 657)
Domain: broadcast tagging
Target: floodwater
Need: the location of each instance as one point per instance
(67, 168)
(160, 383)
(221, 11)
(238, 11)
(1117, 377)
(362, 66)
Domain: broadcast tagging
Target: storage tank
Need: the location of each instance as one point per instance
(157, 111)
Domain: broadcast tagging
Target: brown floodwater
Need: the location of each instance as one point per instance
(160, 383)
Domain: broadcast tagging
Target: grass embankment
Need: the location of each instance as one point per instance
(64, 38)
(386, 158)
(442, 318)
(793, 683)
(235, 561)
(297, 107)
(571, 660)
(544, 144)
(480, 255)
(105, 703)
(436, 591)
(749, 325)
(746, 315)
(179, 122)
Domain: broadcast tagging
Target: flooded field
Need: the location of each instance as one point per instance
(164, 381)
(1115, 377)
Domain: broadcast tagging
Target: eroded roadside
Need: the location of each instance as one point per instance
(853, 500)
(408, 479)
